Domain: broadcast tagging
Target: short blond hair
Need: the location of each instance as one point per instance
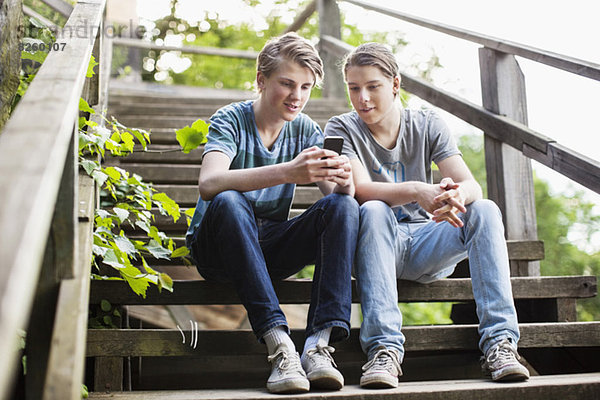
(293, 48)
(373, 54)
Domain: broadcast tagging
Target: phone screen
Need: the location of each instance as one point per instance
(334, 143)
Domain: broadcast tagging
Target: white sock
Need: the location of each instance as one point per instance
(318, 338)
(276, 336)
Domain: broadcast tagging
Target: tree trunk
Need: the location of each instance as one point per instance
(11, 34)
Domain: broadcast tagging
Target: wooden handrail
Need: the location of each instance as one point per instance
(33, 150)
(60, 6)
(213, 51)
(573, 165)
(566, 63)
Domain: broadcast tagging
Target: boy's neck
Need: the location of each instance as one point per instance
(387, 130)
(268, 127)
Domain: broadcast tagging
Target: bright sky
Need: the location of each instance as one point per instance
(561, 105)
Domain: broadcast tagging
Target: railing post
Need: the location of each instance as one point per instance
(330, 24)
(509, 174)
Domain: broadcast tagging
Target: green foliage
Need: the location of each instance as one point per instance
(221, 72)
(125, 199)
(190, 137)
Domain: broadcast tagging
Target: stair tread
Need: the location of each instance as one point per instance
(242, 342)
(547, 387)
(297, 291)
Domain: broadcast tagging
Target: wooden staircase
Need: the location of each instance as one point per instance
(165, 357)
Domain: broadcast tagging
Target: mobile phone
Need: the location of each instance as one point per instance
(334, 143)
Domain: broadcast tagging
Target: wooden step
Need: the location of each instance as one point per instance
(297, 291)
(171, 342)
(179, 108)
(550, 387)
(175, 122)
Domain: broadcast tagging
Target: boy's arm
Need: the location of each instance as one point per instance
(394, 194)
(307, 167)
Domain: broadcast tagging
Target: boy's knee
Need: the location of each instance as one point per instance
(344, 205)
(375, 211)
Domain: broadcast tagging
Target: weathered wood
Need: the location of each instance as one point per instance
(509, 174)
(67, 353)
(11, 34)
(108, 374)
(566, 63)
(550, 387)
(297, 291)
(170, 342)
(33, 149)
(213, 51)
(330, 25)
(60, 6)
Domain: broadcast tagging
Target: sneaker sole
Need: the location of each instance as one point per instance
(378, 382)
(514, 374)
(289, 386)
(326, 380)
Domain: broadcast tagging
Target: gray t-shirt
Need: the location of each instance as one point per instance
(424, 138)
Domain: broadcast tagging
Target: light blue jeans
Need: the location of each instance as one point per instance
(424, 252)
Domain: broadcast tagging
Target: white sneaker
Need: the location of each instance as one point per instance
(320, 369)
(502, 363)
(381, 371)
(287, 375)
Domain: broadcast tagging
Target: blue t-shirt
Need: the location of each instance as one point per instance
(233, 132)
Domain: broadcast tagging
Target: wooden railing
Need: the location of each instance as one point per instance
(43, 265)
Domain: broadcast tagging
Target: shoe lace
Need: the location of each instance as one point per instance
(288, 361)
(502, 353)
(321, 355)
(384, 359)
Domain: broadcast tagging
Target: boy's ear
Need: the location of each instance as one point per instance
(397, 81)
(260, 80)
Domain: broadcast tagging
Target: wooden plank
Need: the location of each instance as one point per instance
(32, 156)
(549, 387)
(66, 363)
(297, 291)
(213, 51)
(171, 342)
(509, 174)
(330, 25)
(571, 64)
(60, 6)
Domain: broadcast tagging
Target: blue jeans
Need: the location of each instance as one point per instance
(232, 245)
(425, 252)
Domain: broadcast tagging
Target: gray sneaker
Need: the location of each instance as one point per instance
(287, 375)
(320, 369)
(381, 371)
(502, 362)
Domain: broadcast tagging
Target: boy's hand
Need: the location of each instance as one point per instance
(315, 164)
(452, 202)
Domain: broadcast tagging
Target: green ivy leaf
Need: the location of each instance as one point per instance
(180, 252)
(157, 250)
(124, 245)
(91, 65)
(166, 281)
(190, 138)
(121, 213)
(105, 305)
(167, 204)
(138, 285)
(85, 107)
